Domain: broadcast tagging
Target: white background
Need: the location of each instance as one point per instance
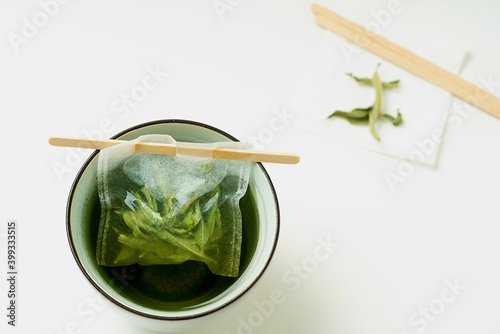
(397, 248)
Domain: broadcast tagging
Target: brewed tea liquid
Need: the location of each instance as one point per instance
(178, 286)
(170, 287)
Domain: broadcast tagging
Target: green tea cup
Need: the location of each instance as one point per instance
(167, 298)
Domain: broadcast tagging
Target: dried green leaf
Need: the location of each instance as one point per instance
(358, 121)
(358, 116)
(368, 81)
(395, 121)
(368, 116)
(391, 84)
(358, 113)
(377, 105)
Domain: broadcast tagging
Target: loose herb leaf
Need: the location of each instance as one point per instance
(359, 121)
(368, 116)
(395, 121)
(357, 113)
(356, 116)
(368, 81)
(391, 84)
(377, 105)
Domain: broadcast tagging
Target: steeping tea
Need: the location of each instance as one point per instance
(177, 286)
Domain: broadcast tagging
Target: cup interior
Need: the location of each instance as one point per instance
(259, 209)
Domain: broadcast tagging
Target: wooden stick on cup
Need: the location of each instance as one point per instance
(157, 148)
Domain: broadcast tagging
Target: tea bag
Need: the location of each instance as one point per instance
(163, 209)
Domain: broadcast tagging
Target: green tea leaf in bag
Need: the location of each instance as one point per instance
(161, 209)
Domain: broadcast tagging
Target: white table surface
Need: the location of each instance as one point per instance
(398, 249)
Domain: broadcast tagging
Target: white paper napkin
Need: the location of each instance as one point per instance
(423, 105)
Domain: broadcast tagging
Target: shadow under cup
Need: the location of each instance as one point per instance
(156, 294)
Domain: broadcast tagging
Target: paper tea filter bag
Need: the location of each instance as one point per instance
(163, 209)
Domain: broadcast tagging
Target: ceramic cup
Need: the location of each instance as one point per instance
(81, 229)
